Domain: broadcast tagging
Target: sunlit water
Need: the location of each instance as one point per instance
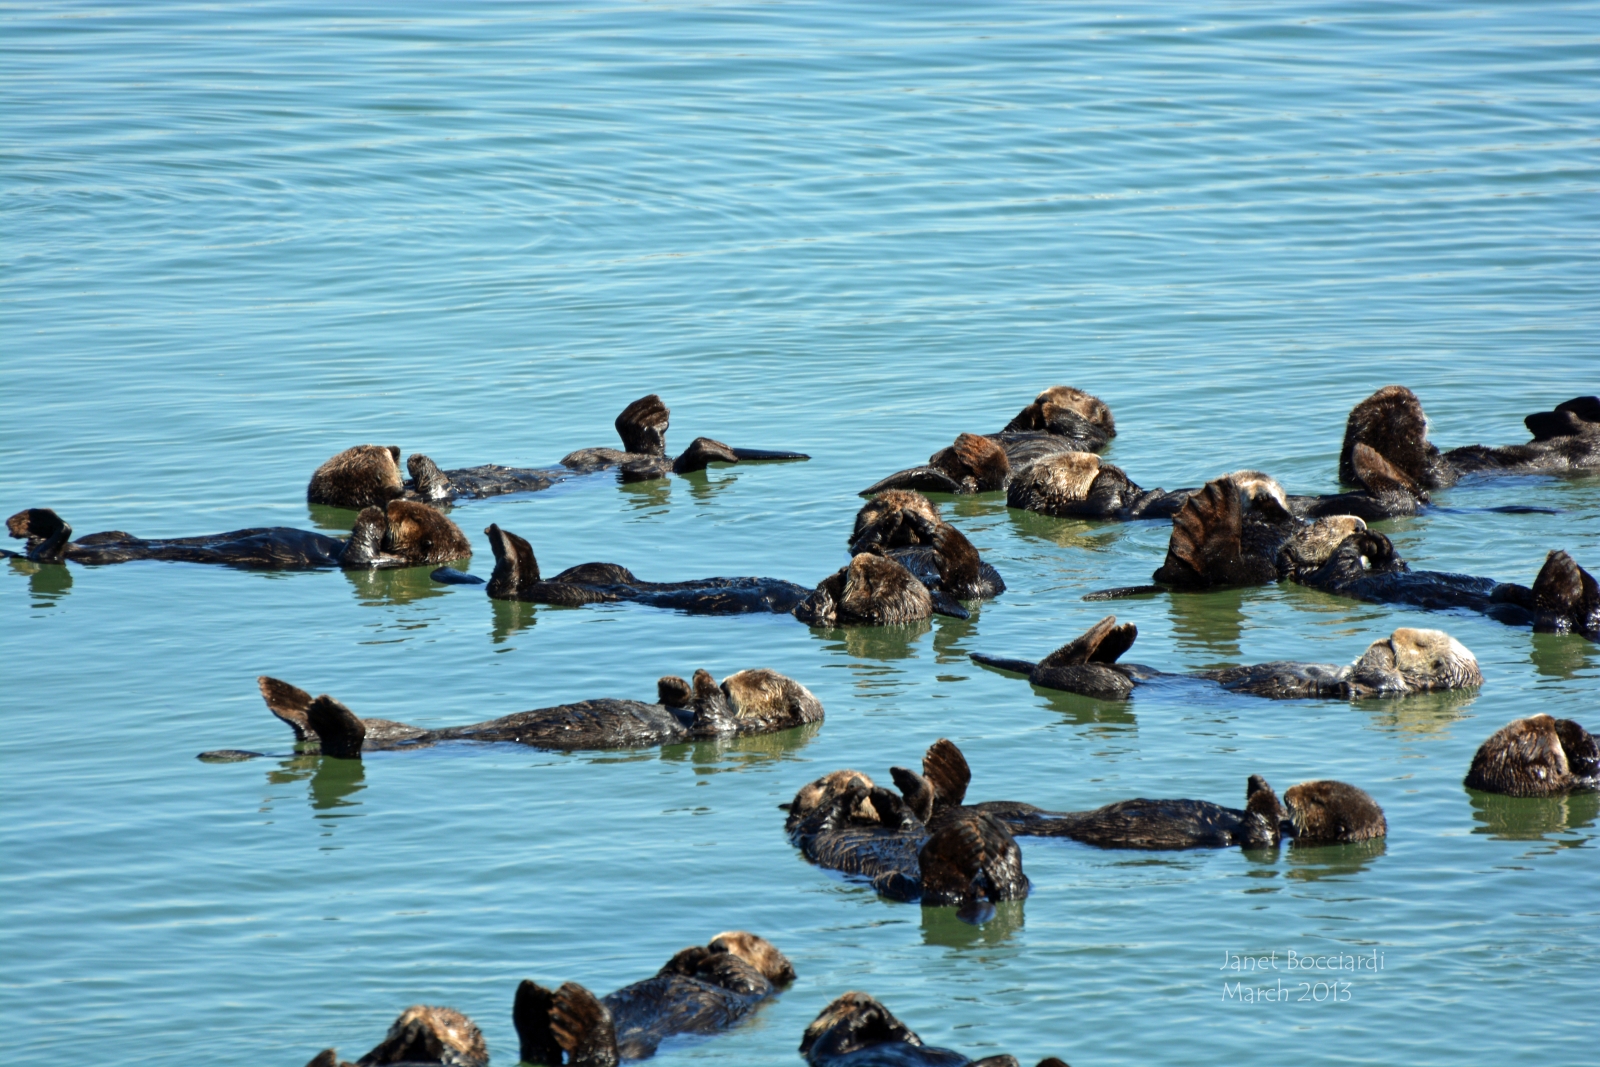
(238, 238)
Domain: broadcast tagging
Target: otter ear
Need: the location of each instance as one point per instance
(582, 1026)
(946, 768)
(1378, 476)
(530, 1013)
(337, 727)
(1205, 535)
(287, 703)
(643, 426)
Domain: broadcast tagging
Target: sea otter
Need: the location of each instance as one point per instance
(748, 702)
(1538, 756)
(910, 530)
(422, 1035)
(404, 533)
(702, 990)
(370, 474)
(516, 577)
(1312, 813)
(857, 1031)
(876, 590)
(955, 856)
(1408, 661)
(1391, 422)
(1060, 420)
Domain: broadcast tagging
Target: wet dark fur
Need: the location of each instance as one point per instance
(907, 527)
(422, 1035)
(1539, 756)
(747, 702)
(360, 477)
(701, 990)
(857, 1031)
(873, 590)
(516, 577)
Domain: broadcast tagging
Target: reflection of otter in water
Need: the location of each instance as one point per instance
(370, 474)
(910, 530)
(402, 534)
(1060, 420)
(857, 1031)
(909, 845)
(422, 1035)
(748, 702)
(1408, 661)
(701, 990)
(1538, 756)
(1318, 813)
(516, 577)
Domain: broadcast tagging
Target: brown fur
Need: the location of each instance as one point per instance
(424, 1034)
(582, 1026)
(945, 767)
(422, 534)
(289, 704)
(1103, 642)
(758, 952)
(822, 791)
(643, 426)
(1326, 812)
(1539, 756)
(1426, 659)
(974, 459)
(1037, 415)
(1380, 477)
(674, 692)
(872, 590)
(1391, 422)
(1055, 485)
(970, 847)
(1566, 598)
(359, 477)
(765, 695)
(892, 518)
(1310, 546)
(1260, 799)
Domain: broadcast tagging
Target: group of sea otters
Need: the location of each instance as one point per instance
(921, 840)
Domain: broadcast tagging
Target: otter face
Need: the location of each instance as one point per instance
(1312, 546)
(767, 697)
(825, 789)
(1054, 485)
(854, 1021)
(359, 477)
(758, 952)
(1090, 409)
(1418, 661)
(418, 534)
(892, 519)
(878, 590)
(1328, 813)
(1536, 757)
(424, 1034)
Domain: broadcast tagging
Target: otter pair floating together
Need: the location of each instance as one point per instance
(1408, 661)
(925, 843)
(369, 475)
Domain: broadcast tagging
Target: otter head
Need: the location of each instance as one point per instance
(1566, 598)
(893, 519)
(424, 1034)
(853, 1022)
(46, 533)
(1392, 424)
(1534, 757)
(1310, 546)
(643, 426)
(977, 464)
(1261, 493)
(1061, 409)
(758, 952)
(765, 699)
(1417, 661)
(878, 590)
(816, 795)
(1329, 813)
(1057, 484)
(418, 534)
(359, 477)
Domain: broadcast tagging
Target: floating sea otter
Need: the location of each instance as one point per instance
(1318, 813)
(1235, 531)
(370, 474)
(857, 1031)
(1538, 756)
(1408, 661)
(516, 577)
(747, 702)
(403, 533)
(1060, 420)
(701, 990)
(908, 528)
(952, 856)
(421, 1035)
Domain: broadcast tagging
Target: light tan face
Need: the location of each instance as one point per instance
(1254, 484)
(1069, 474)
(454, 1030)
(1315, 543)
(1434, 654)
(758, 952)
(814, 794)
(1076, 401)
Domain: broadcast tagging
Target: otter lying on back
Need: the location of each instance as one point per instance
(906, 849)
(910, 530)
(701, 990)
(1318, 813)
(421, 1035)
(402, 534)
(1408, 661)
(1060, 420)
(370, 474)
(747, 702)
(857, 1031)
(1538, 756)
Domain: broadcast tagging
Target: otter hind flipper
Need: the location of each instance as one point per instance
(1566, 598)
(946, 769)
(1581, 414)
(1391, 422)
(582, 1026)
(1101, 643)
(947, 605)
(530, 1014)
(288, 703)
(701, 453)
(337, 727)
(451, 576)
(925, 479)
(971, 858)
(642, 425)
(1381, 478)
(1124, 592)
(1206, 536)
(960, 567)
(516, 570)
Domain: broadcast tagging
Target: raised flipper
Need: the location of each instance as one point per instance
(288, 703)
(428, 482)
(364, 549)
(1391, 422)
(336, 727)
(977, 464)
(530, 1013)
(946, 769)
(1104, 642)
(961, 570)
(971, 861)
(643, 426)
(1205, 542)
(516, 570)
(582, 1026)
(1083, 665)
(1566, 598)
(46, 534)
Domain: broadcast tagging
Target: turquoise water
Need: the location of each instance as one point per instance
(238, 238)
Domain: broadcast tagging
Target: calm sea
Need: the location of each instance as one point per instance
(240, 237)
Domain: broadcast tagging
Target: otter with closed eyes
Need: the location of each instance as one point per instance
(857, 1031)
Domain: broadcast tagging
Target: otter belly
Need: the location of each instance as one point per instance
(647, 1013)
(595, 724)
(263, 548)
(1140, 824)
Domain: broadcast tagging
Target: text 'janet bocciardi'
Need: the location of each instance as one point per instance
(1292, 977)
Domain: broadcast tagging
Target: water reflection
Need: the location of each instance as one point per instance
(1068, 533)
(331, 519)
(1309, 863)
(1563, 655)
(943, 927)
(401, 585)
(1419, 713)
(1209, 622)
(510, 617)
(976, 505)
(735, 753)
(702, 488)
(652, 496)
(331, 782)
(1087, 711)
(950, 635)
(874, 642)
(1530, 818)
(47, 582)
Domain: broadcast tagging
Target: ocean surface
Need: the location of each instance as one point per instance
(237, 238)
